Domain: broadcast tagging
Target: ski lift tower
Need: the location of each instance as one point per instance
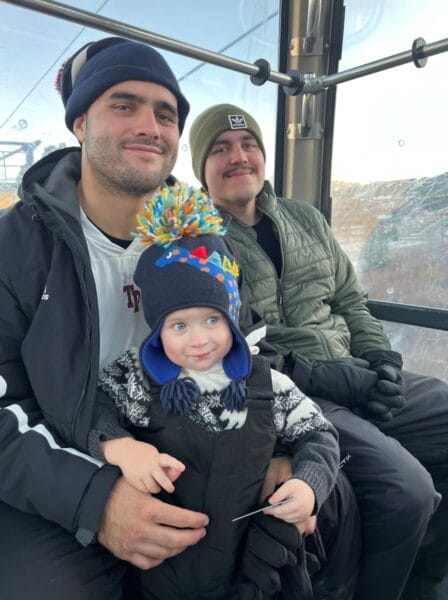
(15, 158)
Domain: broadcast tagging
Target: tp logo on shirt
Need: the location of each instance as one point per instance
(133, 296)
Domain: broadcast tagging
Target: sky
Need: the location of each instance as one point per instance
(393, 124)
(388, 126)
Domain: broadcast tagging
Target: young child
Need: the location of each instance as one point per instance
(194, 408)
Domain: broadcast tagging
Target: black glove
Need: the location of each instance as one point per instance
(387, 398)
(296, 579)
(249, 591)
(346, 381)
(271, 545)
(371, 391)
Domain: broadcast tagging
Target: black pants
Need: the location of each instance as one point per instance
(337, 545)
(41, 561)
(395, 491)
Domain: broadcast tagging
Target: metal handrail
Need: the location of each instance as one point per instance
(418, 54)
(89, 19)
(293, 82)
(410, 314)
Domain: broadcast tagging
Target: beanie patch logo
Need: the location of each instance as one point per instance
(237, 122)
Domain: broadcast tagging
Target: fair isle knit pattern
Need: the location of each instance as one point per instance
(294, 414)
(126, 384)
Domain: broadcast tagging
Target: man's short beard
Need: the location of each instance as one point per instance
(131, 182)
(118, 177)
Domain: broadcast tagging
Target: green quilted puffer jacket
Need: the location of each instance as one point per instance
(317, 307)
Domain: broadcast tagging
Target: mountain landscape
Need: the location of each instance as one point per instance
(396, 233)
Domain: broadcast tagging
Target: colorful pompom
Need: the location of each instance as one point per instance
(177, 211)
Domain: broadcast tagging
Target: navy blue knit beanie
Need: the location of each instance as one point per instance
(99, 65)
(187, 264)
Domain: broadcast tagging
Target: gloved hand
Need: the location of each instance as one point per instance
(387, 397)
(371, 391)
(296, 579)
(271, 544)
(346, 381)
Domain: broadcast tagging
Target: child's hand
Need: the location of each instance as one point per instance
(142, 464)
(299, 508)
(155, 472)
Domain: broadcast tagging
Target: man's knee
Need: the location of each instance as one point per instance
(40, 560)
(380, 469)
(418, 498)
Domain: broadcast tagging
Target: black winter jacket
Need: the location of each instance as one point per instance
(49, 353)
(49, 349)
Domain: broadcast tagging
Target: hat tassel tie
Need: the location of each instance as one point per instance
(178, 396)
(234, 395)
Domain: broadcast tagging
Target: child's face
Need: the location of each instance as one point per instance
(196, 338)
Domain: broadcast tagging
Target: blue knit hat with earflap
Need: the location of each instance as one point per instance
(97, 66)
(188, 264)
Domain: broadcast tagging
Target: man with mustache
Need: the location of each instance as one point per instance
(393, 425)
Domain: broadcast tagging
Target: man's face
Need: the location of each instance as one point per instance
(235, 169)
(130, 137)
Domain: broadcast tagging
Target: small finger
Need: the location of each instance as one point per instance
(173, 474)
(163, 480)
(284, 492)
(166, 460)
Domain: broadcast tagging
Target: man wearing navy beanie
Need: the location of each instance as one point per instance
(100, 65)
(72, 527)
(78, 310)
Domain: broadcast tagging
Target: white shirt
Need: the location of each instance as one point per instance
(122, 323)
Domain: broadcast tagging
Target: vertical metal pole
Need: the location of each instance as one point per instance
(303, 130)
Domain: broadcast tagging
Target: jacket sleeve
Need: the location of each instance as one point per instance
(40, 474)
(308, 435)
(350, 301)
(106, 425)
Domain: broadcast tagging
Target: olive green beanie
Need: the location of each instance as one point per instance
(210, 124)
